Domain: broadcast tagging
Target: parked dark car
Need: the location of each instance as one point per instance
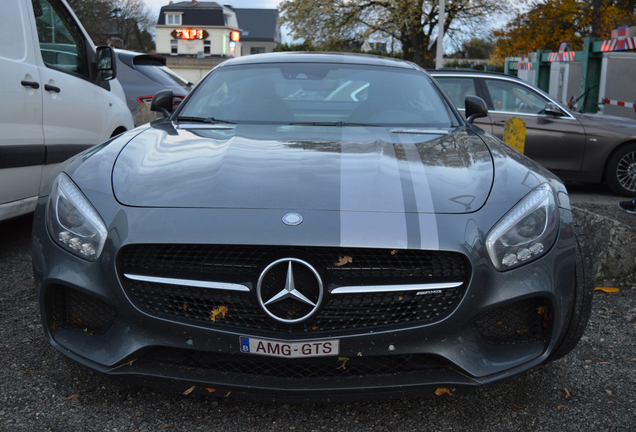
(286, 236)
(143, 75)
(575, 146)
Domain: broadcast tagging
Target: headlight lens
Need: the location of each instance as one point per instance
(526, 232)
(73, 222)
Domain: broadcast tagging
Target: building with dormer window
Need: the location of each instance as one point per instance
(202, 29)
(195, 36)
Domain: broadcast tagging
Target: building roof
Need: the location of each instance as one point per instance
(195, 13)
(259, 25)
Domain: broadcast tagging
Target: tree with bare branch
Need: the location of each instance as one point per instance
(336, 24)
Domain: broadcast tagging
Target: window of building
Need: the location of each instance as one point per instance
(173, 19)
(174, 47)
(257, 50)
(206, 47)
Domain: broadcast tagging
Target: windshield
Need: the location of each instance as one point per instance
(319, 93)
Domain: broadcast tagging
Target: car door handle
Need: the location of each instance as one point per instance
(49, 87)
(32, 84)
(499, 123)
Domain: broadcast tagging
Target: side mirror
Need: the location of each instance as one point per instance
(162, 102)
(553, 109)
(106, 63)
(475, 108)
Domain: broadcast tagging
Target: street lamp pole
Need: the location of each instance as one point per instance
(439, 58)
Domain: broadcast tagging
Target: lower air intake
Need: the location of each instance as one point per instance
(521, 322)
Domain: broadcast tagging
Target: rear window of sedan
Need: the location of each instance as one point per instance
(321, 93)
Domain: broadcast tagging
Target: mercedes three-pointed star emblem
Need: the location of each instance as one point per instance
(289, 295)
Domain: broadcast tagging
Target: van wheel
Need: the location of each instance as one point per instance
(621, 171)
(119, 130)
(583, 294)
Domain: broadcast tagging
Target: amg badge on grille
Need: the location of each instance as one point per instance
(289, 290)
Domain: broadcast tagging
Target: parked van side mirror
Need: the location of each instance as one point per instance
(475, 108)
(106, 63)
(162, 102)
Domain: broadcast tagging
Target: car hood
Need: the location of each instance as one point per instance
(603, 121)
(304, 168)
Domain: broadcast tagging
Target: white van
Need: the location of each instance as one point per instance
(56, 102)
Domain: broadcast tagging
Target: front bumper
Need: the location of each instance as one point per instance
(469, 347)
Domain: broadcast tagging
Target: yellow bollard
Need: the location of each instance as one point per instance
(515, 133)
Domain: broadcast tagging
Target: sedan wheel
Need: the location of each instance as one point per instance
(621, 171)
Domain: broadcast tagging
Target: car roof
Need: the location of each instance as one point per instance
(319, 57)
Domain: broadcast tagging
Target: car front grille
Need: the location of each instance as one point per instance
(524, 321)
(339, 312)
(322, 367)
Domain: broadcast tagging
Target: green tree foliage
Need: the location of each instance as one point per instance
(342, 24)
(129, 20)
(550, 22)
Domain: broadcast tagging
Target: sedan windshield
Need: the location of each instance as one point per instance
(320, 94)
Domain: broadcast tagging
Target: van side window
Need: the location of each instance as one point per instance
(62, 44)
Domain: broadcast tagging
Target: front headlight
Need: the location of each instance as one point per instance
(526, 232)
(73, 222)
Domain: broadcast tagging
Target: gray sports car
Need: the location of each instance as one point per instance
(310, 227)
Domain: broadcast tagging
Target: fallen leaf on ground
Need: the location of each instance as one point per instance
(190, 390)
(519, 406)
(167, 426)
(72, 397)
(567, 393)
(607, 290)
(210, 389)
(394, 251)
(560, 406)
(343, 260)
(443, 390)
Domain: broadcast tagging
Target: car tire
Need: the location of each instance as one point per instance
(584, 292)
(620, 174)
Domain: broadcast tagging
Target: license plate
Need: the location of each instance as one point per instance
(290, 349)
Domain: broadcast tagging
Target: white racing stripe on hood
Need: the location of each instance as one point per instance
(384, 207)
(429, 236)
(366, 194)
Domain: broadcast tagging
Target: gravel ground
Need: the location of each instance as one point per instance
(591, 389)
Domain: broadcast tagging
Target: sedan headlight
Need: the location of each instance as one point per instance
(73, 222)
(526, 232)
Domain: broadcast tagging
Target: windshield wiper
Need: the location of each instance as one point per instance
(338, 123)
(210, 120)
